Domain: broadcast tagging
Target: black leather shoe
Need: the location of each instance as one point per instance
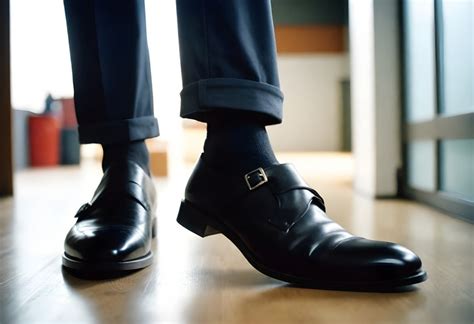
(114, 231)
(280, 226)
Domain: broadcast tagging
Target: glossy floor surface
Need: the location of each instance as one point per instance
(196, 280)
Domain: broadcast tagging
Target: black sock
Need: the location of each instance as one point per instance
(237, 143)
(134, 151)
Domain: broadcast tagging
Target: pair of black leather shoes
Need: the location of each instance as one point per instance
(273, 217)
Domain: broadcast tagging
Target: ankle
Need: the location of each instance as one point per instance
(237, 143)
(132, 151)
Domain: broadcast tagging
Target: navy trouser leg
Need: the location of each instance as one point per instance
(111, 70)
(228, 58)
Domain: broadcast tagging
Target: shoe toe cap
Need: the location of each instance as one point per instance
(111, 244)
(361, 258)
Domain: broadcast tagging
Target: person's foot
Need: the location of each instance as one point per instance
(280, 226)
(113, 232)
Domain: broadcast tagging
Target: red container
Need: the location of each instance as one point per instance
(44, 140)
(68, 113)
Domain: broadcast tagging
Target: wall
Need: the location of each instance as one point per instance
(313, 60)
(375, 59)
(312, 108)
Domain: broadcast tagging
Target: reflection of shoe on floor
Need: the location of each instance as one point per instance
(281, 227)
(114, 231)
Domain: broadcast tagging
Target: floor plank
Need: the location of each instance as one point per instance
(196, 280)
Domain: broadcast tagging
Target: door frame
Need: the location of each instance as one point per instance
(6, 140)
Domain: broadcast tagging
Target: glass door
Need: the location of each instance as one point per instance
(438, 117)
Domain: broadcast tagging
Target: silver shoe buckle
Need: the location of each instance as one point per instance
(257, 174)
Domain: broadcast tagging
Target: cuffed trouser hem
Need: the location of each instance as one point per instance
(201, 98)
(119, 131)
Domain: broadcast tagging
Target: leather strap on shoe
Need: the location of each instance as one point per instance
(280, 178)
(119, 181)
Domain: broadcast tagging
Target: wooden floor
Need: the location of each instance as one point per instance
(196, 280)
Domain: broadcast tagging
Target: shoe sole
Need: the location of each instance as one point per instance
(103, 268)
(200, 224)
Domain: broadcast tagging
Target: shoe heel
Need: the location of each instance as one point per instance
(195, 221)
